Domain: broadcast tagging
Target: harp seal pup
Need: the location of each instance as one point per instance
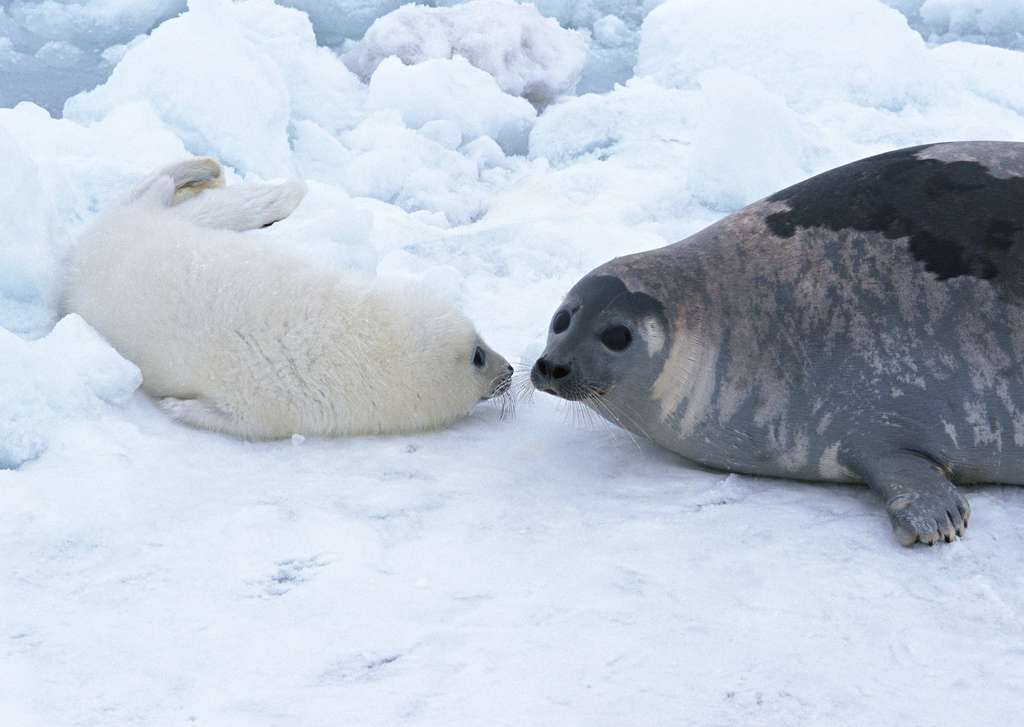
(865, 325)
(235, 337)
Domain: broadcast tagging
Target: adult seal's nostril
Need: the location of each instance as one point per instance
(540, 374)
(559, 372)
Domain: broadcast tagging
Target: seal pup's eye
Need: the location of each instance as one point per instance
(479, 358)
(617, 338)
(561, 321)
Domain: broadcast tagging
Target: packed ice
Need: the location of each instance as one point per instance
(537, 570)
(70, 373)
(993, 22)
(527, 54)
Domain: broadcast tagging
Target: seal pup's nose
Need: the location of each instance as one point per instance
(501, 383)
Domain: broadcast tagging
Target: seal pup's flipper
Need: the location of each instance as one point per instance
(923, 505)
(195, 189)
(243, 206)
(189, 178)
(204, 414)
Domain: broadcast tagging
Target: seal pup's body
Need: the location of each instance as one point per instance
(235, 337)
(866, 325)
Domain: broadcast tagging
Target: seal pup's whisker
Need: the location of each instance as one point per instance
(521, 386)
(503, 396)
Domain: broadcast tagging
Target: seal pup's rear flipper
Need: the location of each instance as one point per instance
(189, 178)
(204, 414)
(195, 189)
(243, 206)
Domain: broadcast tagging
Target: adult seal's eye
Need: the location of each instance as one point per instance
(616, 338)
(561, 321)
(479, 358)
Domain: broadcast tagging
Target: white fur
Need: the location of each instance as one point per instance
(238, 338)
(244, 206)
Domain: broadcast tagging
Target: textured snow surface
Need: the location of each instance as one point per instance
(452, 90)
(527, 54)
(535, 571)
(997, 22)
(69, 374)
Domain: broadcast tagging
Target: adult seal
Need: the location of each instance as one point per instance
(865, 325)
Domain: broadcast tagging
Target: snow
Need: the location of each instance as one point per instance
(56, 176)
(456, 91)
(995, 22)
(527, 54)
(819, 52)
(257, 57)
(64, 377)
(539, 570)
(57, 48)
(339, 20)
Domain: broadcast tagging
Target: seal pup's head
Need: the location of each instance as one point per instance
(423, 363)
(605, 343)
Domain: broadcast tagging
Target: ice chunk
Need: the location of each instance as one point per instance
(57, 174)
(446, 133)
(320, 87)
(993, 74)
(56, 49)
(640, 113)
(806, 52)
(27, 263)
(93, 24)
(995, 22)
(452, 90)
(395, 164)
(486, 153)
(747, 142)
(198, 72)
(228, 79)
(586, 13)
(328, 230)
(528, 55)
(613, 52)
(338, 20)
(613, 26)
(992, 22)
(71, 374)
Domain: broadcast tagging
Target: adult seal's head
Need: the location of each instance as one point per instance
(604, 341)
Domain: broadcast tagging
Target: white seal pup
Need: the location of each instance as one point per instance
(235, 337)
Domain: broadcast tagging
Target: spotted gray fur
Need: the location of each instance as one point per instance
(804, 351)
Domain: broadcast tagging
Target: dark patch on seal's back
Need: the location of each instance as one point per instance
(960, 220)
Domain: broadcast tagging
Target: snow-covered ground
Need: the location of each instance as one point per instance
(535, 571)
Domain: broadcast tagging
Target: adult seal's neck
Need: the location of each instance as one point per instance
(678, 397)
